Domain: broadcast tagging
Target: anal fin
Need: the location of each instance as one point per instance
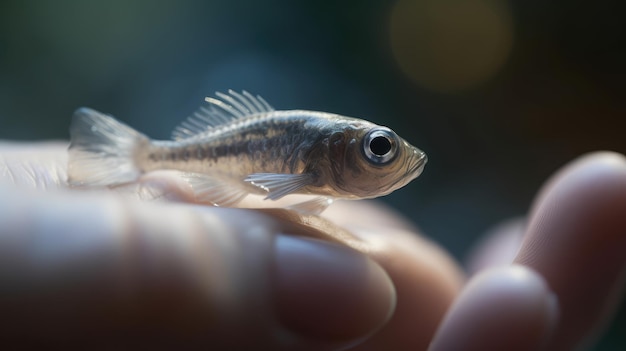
(215, 190)
(314, 206)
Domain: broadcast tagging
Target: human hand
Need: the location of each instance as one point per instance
(100, 268)
(575, 242)
(165, 274)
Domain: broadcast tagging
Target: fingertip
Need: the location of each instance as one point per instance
(575, 240)
(426, 278)
(329, 293)
(602, 171)
(506, 308)
(609, 157)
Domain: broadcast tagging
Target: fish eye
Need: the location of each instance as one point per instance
(380, 146)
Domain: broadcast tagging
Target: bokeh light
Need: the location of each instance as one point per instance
(450, 45)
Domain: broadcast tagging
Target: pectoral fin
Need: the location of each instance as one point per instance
(215, 190)
(278, 185)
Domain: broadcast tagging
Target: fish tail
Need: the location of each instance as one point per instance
(103, 151)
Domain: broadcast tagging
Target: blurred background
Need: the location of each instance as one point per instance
(499, 93)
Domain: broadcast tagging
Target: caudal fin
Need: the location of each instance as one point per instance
(102, 150)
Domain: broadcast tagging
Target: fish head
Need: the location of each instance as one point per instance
(371, 161)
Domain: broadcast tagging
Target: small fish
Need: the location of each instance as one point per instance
(239, 145)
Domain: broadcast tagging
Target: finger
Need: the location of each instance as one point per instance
(426, 278)
(505, 308)
(576, 239)
(82, 267)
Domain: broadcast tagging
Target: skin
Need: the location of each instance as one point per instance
(103, 268)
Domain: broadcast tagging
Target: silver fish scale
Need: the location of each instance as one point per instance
(276, 143)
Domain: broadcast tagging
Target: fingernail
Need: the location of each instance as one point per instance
(324, 291)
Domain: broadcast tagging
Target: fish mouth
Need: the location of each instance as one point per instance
(414, 167)
(417, 167)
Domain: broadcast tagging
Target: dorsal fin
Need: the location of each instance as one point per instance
(220, 111)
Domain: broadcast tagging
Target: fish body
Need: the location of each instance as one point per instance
(239, 145)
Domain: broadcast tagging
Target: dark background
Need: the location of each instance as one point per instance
(500, 94)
